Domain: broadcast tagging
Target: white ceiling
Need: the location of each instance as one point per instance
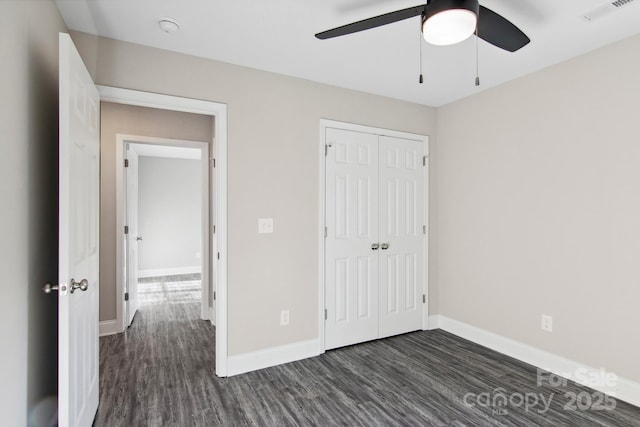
(278, 36)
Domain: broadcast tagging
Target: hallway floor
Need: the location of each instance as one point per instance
(180, 289)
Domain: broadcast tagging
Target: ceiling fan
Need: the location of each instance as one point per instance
(446, 22)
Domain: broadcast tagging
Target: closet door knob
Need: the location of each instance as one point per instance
(83, 285)
(375, 246)
(384, 246)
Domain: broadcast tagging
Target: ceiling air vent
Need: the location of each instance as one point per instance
(620, 3)
(604, 10)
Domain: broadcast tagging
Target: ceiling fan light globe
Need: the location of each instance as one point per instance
(449, 26)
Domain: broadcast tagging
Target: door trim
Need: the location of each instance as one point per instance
(121, 206)
(324, 124)
(218, 201)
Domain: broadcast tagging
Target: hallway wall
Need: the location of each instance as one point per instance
(169, 216)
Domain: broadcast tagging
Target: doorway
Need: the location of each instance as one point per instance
(166, 210)
(217, 227)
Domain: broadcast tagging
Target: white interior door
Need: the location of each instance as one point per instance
(78, 240)
(401, 235)
(352, 228)
(133, 237)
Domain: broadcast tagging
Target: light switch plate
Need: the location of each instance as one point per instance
(265, 225)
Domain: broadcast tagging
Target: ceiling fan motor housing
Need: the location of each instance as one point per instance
(436, 6)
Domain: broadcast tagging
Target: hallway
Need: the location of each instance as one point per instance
(150, 375)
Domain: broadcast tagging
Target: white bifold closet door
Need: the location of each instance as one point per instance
(374, 256)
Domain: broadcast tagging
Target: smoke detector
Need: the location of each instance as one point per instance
(168, 25)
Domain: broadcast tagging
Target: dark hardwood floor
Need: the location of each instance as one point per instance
(161, 373)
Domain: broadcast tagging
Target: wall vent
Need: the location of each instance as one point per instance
(605, 10)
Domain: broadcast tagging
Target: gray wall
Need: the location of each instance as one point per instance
(140, 121)
(538, 209)
(273, 124)
(28, 190)
(169, 209)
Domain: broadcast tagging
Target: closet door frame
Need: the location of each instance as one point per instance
(324, 125)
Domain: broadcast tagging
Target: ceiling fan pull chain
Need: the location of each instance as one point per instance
(421, 79)
(477, 60)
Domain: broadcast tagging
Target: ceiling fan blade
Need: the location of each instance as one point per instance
(498, 31)
(376, 21)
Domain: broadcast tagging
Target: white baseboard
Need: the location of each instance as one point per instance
(433, 322)
(624, 389)
(108, 327)
(271, 357)
(159, 272)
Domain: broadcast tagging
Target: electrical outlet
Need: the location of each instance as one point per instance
(265, 225)
(547, 323)
(284, 317)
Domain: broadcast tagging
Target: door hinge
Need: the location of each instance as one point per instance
(126, 296)
(326, 232)
(126, 163)
(126, 229)
(326, 149)
(214, 229)
(424, 160)
(325, 314)
(213, 161)
(218, 255)
(214, 295)
(424, 229)
(424, 298)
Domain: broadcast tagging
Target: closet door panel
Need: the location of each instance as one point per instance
(351, 272)
(401, 236)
